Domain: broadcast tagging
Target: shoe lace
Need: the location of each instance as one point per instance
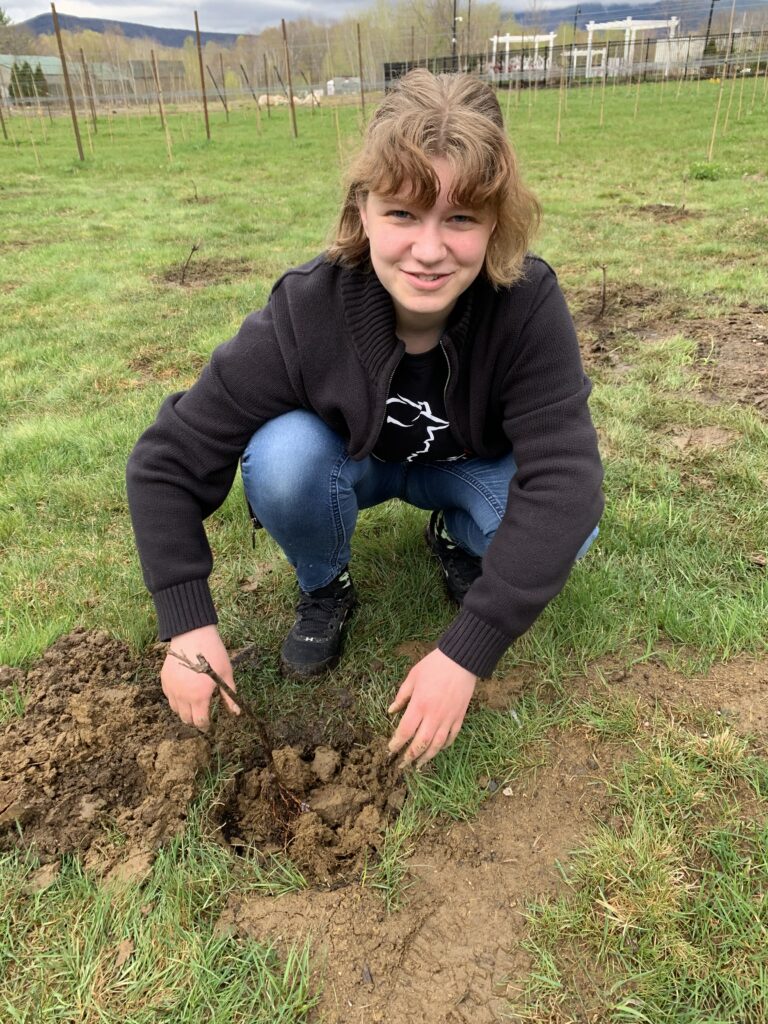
(317, 615)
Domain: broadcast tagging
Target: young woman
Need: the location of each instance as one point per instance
(424, 356)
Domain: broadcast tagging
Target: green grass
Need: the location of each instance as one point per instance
(123, 953)
(95, 335)
(666, 921)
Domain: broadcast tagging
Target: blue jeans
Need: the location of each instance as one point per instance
(306, 491)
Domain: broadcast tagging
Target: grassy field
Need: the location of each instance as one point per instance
(97, 329)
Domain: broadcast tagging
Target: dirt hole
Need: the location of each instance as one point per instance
(99, 766)
(201, 271)
(667, 212)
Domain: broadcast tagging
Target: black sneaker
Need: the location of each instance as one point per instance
(314, 643)
(459, 567)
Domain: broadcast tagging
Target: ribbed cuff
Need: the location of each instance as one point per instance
(473, 644)
(184, 607)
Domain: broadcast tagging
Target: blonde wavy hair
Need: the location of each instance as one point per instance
(457, 118)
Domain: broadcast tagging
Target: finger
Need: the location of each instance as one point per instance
(421, 744)
(409, 723)
(199, 718)
(402, 697)
(439, 741)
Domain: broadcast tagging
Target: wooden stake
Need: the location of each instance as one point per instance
(602, 89)
(360, 66)
(163, 118)
(89, 93)
(290, 82)
(218, 91)
(40, 111)
(2, 122)
(311, 93)
(202, 77)
(711, 149)
(223, 84)
(255, 98)
(156, 76)
(266, 79)
(68, 85)
(757, 71)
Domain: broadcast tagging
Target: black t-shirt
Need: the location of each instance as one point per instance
(416, 428)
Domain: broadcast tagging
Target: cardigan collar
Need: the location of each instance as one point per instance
(370, 317)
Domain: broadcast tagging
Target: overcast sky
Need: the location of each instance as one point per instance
(219, 16)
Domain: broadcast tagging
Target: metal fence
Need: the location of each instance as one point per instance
(110, 83)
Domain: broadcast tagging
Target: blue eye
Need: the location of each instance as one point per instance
(463, 218)
(398, 214)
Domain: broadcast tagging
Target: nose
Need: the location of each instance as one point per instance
(428, 246)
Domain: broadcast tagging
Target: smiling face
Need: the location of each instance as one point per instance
(425, 258)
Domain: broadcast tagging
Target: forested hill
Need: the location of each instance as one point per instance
(42, 24)
(692, 13)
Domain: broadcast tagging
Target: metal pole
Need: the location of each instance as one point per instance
(290, 83)
(577, 12)
(67, 83)
(709, 26)
(202, 77)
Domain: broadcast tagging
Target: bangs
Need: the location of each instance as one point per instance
(403, 170)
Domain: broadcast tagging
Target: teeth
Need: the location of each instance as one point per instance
(428, 277)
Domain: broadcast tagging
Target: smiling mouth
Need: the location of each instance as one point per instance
(425, 277)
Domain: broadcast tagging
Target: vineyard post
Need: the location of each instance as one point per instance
(202, 77)
(89, 92)
(290, 82)
(224, 84)
(67, 84)
(255, 98)
(266, 80)
(163, 118)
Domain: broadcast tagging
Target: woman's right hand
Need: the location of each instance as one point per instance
(189, 693)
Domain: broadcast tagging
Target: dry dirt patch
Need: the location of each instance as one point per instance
(732, 350)
(451, 954)
(668, 212)
(200, 271)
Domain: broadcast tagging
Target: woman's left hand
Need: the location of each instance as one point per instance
(437, 692)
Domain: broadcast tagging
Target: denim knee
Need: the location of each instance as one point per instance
(287, 460)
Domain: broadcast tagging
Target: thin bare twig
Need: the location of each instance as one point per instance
(602, 293)
(203, 667)
(192, 252)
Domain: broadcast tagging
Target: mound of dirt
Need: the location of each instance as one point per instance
(99, 766)
(335, 815)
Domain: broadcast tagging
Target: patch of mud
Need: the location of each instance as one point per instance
(100, 766)
(701, 438)
(668, 212)
(451, 955)
(736, 692)
(732, 350)
(732, 357)
(200, 272)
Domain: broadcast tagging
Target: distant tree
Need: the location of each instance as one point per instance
(4, 17)
(21, 85)
(41, 83)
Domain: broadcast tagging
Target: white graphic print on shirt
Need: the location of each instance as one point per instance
(415, 417)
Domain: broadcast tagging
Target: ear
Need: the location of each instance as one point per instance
(361, 207)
